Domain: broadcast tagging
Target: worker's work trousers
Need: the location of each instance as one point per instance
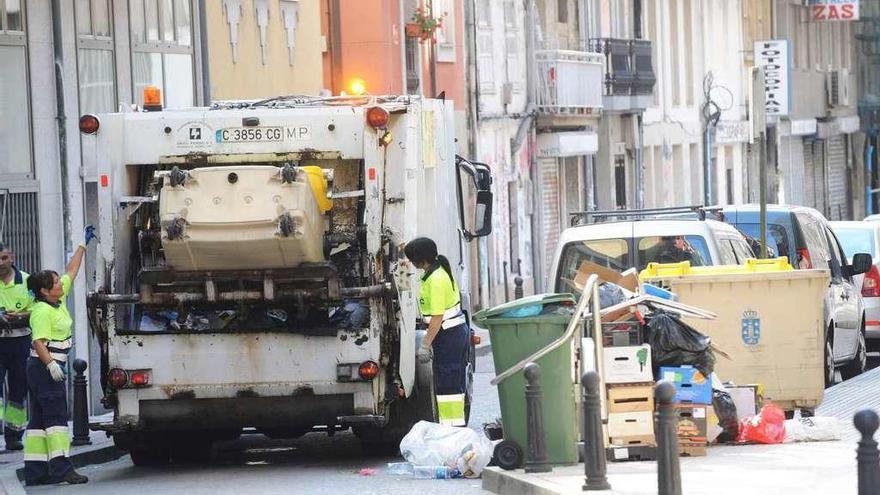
(47, 439)
(450, 359)
(14, 353)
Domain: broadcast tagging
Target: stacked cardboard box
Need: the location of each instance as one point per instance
(630, 401)
(693, 399)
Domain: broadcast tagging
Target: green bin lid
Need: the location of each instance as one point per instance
(550, 298)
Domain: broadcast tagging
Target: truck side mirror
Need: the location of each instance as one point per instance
(478, 179)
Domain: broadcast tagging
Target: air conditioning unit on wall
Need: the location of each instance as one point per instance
(837, 87)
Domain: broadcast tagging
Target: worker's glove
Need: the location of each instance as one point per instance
(56, 371)
(424, 355)
(90, 234)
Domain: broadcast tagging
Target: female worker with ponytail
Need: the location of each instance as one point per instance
(448, 332)
(47, 440)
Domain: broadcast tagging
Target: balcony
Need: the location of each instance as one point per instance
(569, 83)
(629, 73)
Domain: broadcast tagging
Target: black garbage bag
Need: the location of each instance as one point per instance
(725, 409)
(675, 343)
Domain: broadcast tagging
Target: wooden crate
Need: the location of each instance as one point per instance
(631, 424)
(630, 397)
(633, 441)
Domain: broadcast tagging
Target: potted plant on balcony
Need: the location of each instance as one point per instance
(423, 24)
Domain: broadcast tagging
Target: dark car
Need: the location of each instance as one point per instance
(805, 237)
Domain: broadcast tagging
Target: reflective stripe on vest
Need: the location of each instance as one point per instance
(452, 317)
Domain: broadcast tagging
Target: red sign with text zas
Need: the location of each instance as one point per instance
(835, 10)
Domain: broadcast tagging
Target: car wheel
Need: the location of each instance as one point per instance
(858, 364)
(829, 363)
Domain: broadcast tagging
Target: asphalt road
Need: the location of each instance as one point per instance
(314, 464)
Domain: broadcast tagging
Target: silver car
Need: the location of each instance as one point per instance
(864, 237)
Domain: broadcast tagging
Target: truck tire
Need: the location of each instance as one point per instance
(150, 455)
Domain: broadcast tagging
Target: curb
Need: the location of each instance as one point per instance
(483, 350)
(496, 480)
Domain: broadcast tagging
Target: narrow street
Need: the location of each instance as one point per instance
(313, 464)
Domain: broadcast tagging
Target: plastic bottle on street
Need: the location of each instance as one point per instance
(435, 472)
(400, 468)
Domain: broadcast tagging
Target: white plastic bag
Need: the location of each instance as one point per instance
(815, 429)
(432, 444)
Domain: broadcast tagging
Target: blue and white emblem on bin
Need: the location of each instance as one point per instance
(751, 327)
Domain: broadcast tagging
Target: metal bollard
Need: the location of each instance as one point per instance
(594, 444)
(666, 431)
(536, 456)
(80, 405)
(867, 455)
(517, 287)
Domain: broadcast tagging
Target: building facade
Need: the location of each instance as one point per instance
(264, 48)
(62, 59)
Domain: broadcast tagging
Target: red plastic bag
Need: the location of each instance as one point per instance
(767, 427)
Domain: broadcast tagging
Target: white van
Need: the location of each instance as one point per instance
(626, 244)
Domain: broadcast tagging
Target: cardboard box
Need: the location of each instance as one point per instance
(638, 453)
(631, 424)
(687, 450)
(692, 423)
(746, 399)
(631, 398)
(691, 387)
(628, 364)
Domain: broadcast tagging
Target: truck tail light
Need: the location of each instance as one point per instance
(871, 283)
(377, 117)
(89, 124)
(804, 261)
(368, 370)
(139, 378)
(117, 378)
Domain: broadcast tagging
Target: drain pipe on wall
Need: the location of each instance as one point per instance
(205, 58)
(61, 122)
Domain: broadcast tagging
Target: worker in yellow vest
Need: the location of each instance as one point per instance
(15, 345)
(448, 332)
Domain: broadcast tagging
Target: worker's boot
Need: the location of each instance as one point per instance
(75, 478)
(13, 444)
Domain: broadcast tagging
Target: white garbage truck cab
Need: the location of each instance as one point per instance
(250, 270)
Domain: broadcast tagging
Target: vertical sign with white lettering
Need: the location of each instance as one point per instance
(773, 57)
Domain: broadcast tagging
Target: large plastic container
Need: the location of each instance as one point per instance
(770, 323)
(233, 213)
(514, 339)
(751, 265)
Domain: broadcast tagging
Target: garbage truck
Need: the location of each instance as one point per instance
(250, 273)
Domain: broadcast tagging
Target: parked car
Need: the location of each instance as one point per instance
(864, 237)
(621, 245)
(805, 237)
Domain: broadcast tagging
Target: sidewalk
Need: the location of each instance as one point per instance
(12, 462)
(802, 468)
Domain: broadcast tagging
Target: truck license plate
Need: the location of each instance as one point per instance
(249, 134)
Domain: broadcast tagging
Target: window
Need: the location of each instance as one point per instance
(816, 244)
(485, 47)
(742, 250)
(674, 30)
(777, 238)
(95, 67)
(620, 182)
(855, 241)
(446, 32)
(610, 253)
(673, 249)
(834, 259)
(15, 128)
(562, 11)
(162, 54)
(687, 25)
(512, 37)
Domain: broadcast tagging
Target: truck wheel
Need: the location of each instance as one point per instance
(190, 450)
(857, 366)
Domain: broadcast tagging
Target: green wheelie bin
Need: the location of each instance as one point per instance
(517, 330)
